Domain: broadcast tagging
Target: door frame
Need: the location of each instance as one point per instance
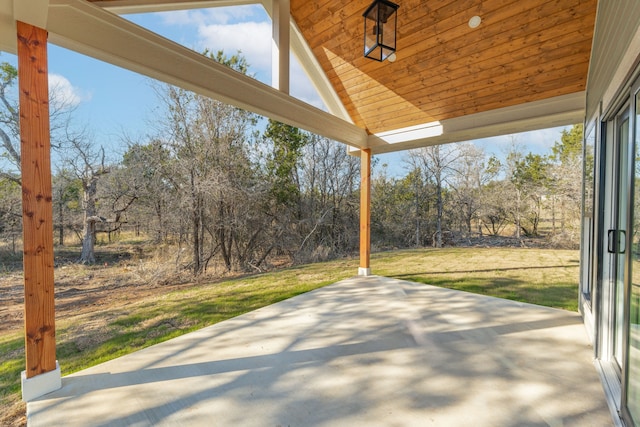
(634, 114)
(613, 371)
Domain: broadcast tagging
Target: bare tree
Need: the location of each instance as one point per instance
(399, 209)
(211, 169)
(437, 163)
(87, 163)
(330, 180)
(496, 206)
(9, 123)
(10, 211)
(66, 196)
(566, 176)
(60, 111)
(146, 172)
(514, 156)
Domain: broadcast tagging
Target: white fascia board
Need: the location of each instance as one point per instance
(122, 7)
(557, 111)
(90, 30)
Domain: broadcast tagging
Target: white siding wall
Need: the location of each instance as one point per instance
(617, 23)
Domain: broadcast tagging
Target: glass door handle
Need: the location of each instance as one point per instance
(616, 241)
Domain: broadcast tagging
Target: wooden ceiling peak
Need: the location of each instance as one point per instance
(521, 52)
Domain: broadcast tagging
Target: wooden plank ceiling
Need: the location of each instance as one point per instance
(522, 51)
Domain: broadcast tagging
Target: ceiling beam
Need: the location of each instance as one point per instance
(7, 27)
(121, 7)
(562, 110)
(280, 51)
(91, 30)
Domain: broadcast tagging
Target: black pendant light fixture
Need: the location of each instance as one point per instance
(380, 21)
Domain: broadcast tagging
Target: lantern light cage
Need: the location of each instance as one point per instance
(380, 22)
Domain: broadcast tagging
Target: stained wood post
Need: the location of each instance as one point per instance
(365, 212)
(37, 208)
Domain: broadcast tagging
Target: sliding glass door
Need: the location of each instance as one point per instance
(632, 395)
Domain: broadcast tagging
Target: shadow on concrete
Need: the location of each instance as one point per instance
(365, 351)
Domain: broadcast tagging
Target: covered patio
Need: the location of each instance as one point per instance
(364, 351)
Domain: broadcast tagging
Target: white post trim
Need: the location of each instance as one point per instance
(37, 386)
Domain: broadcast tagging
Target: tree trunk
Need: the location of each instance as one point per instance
(224, 240)
(89, 232)
(88, 239)
(517, 214)
(195, 239)
(439, 212)
(159, 233)
(553, 214)
(61, 229)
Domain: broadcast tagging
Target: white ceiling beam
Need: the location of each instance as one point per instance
(32, 11)
(90, 30)
(121, 7)
(280, 51)
(8, 31)
(316, 74)
(562, 110)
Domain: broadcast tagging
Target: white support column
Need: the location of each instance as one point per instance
(280, 46)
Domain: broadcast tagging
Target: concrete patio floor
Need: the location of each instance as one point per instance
(367, 351)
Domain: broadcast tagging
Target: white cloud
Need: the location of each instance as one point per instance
(63, 92)
(537, 142)
(179, 17)
(253, 39)
(545, 138)
(219, 15)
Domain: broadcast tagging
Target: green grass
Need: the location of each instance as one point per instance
(536, 276)
(12, 350)
(545, 277)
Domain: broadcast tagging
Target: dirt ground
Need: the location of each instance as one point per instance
(77, 295)
(116, 280)
(121, 276)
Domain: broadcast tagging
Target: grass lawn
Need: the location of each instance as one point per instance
(538, 276)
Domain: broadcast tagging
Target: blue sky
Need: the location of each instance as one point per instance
(112, 101)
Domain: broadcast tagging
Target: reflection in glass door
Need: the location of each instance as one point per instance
(633, 349)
